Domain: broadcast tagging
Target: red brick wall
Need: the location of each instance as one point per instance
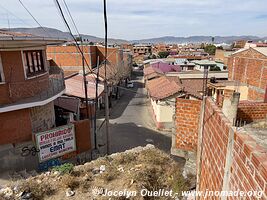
(248, 170)
(15, 127)
(113, 55)
(187, 119)
(16, 87)
(69, 56)
(83, 135)
(250, 112)
(215, 138)
(250, 67)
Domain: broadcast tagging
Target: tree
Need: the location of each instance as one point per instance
(210, 49)
(163, 54)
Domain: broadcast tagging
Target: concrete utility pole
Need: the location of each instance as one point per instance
(85, 84)
(106, 83)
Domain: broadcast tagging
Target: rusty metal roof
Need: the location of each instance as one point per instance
(75, 87)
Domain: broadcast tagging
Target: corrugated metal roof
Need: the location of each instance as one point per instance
(68, 103)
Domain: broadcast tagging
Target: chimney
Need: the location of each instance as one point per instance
(230, 104)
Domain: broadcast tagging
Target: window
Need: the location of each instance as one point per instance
(34, 62)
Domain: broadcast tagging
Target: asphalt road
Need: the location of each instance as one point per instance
(131, 122)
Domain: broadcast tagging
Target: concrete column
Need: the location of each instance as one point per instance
(230, 105)
(228, 162)
(200, 142)
(265, 98)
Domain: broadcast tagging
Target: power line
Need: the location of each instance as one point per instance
(69, 30)
(15, 15)
(66, 6)
(33, 17)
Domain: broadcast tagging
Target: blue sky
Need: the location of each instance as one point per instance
(138, 19)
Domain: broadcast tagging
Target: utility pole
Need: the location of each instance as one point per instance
(85, 84)
(96, 100)
(106, 83)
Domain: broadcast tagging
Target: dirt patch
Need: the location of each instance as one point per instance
(140, 169)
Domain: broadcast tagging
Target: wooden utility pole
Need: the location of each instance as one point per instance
(106, 83)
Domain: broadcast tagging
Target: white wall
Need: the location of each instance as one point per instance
(163, 111)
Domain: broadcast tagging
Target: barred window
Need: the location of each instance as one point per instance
(34, 62)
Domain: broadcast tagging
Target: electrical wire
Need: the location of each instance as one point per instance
(78, 47)
(33, 17)
(69, 30)
(8, 11)
(73, 22)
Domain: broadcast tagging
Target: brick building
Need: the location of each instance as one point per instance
(227, 158)
(70, 60)
(28, 87)
(142, 49)
(248, 66)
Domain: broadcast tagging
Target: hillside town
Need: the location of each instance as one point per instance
(115, 119)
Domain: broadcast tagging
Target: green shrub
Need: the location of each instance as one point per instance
(63, 169)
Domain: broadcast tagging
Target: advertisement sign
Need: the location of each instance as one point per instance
(56, 142)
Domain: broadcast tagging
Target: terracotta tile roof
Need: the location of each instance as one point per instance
(5, 33)
(148, 70)
(193, 86)
(75, 87)
(163, 87)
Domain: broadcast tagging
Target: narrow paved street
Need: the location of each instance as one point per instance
(131, 122)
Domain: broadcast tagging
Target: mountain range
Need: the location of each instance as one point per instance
(55, 33)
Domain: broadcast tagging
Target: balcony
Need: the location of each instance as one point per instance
(36, 91)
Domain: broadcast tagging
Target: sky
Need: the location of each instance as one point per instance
(140, 19)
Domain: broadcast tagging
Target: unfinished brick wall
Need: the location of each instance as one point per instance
(69, 58)
(249, 67)
(252, 111)
(215, 138)
(187, 119)
(248, 169)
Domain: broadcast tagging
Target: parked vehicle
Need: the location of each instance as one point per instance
(130, 84)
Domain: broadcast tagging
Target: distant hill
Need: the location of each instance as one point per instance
(196, 39)
(55, 33)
